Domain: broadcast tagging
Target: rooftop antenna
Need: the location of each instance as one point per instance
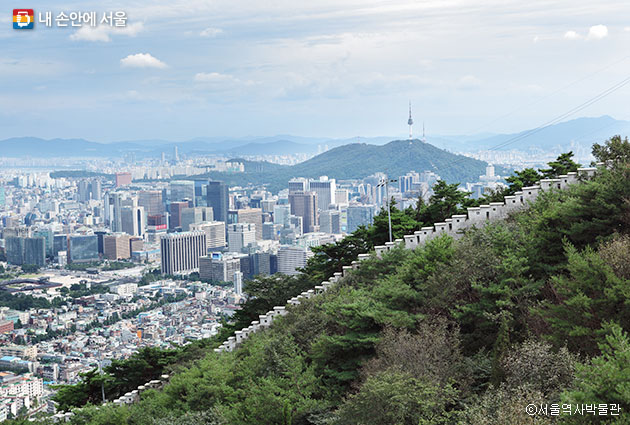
(410, 123)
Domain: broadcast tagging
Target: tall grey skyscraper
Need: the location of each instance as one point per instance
(83, 191)
(219, 200)
(181, 190)
(21, 250)
(298, 185)
(114, 211)
(95, 189)
(325, 189)
(151, 200)
(304, 204)
(330, 221)
(133, 220)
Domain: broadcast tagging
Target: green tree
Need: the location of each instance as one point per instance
(562, 165)
(604, 380)
(521, 179)
(397, 398)
(615, 150)
(588, 296)
(446, 201)
(30, 268)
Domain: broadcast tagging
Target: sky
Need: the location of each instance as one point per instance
(182, 69)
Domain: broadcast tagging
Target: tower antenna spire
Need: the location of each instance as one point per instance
(424, 139)
(410, 123)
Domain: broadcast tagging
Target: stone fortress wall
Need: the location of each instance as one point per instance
(453, 226)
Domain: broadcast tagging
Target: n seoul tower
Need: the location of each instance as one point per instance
(410, 122)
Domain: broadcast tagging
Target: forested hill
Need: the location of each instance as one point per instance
(532, 310)
(359, 160)
(395, 158)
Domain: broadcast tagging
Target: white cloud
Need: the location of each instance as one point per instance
(571, 35)
(627, 29)
(142, 60)
(211, 32)
(103, 32)
(597, 32)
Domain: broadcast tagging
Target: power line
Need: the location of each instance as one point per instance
(560, 117)
(565, 115)
(540, 99)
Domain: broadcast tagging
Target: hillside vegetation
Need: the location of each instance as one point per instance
(530, 310)
(359, 160)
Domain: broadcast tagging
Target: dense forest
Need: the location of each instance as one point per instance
(532, 310)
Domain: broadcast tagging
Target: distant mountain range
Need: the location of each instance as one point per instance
(577, 133)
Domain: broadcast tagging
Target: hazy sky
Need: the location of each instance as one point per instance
(189, 68)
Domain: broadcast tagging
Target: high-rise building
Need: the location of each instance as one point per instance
(240, 236)
(116, 247)
(195, 215)
(95, 189)
(180, 252)
(136, 244)
(296, 223)
(267, 205)
(182, 190)
(341, 196)
(113, 211)
(330, 221)
(215, 234)
(47, 234)
(271, 231)
(219, 200)
(298, 185)
(83, 191)
(304, 204)
(263, 263)
(325, 189)
(83, 248)
(201, 193)
(123, 179)
(360, 215)
(219, 267)
(238, 282)
(292, 258)
(60, 243)
(3, 200)
(247, 215)
(133, 220)
(23, 250)
(405, 183)
(281, 214)
(176, 209)
(151, 200)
